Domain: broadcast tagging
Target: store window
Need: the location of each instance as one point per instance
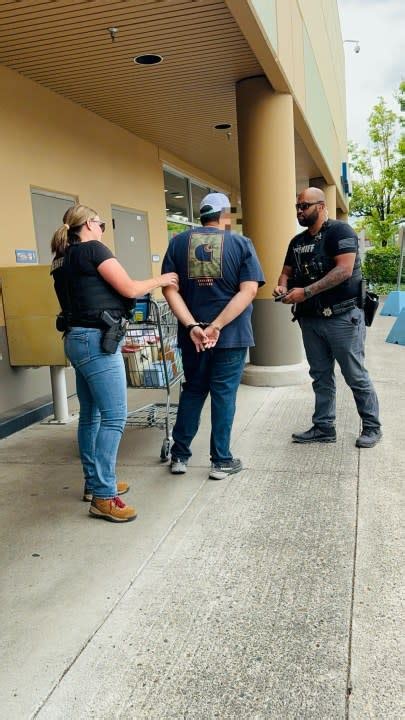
(197, 194)
(183, 198)
(177, 197)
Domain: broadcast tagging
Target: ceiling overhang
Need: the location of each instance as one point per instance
(67, 47)
(84, 51)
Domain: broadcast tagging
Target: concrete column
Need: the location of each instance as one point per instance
(341, 215)
(235, 210)
(268, 193)
(330, 194)
(59, 397)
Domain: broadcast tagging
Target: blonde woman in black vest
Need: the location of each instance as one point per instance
(95, 292)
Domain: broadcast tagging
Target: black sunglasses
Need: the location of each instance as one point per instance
(101, 223)
(305, 205)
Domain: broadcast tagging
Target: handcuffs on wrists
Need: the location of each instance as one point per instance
(202, 326)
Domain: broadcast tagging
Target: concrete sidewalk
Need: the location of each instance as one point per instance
(274, 594)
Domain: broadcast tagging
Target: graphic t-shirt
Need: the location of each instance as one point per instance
(211, 264)
(311, 257)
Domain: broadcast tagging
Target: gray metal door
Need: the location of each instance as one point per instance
(48, 210)
(131, 239)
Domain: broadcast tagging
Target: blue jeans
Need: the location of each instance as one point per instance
(102, 392)
(218, 372)
(339, 338)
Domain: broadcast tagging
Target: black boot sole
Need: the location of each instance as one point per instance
(314, 440)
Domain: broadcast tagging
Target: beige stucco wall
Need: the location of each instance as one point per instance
(310, 51)
(291, 46)
(322, 22)
(53, 144)
(304, 56)
(50, 143)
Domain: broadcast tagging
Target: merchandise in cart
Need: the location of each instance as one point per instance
(153, 361)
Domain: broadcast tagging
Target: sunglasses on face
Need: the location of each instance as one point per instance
(101, 223)
(305, 205)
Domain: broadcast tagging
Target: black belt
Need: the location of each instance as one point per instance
(339, 308)
(95, 326)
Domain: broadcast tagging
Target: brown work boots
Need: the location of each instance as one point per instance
(122, 488)
(112, 509)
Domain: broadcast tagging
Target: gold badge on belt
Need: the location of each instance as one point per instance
(327, 312)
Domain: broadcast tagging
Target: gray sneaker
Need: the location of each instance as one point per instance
(220, 471)
(178, 467)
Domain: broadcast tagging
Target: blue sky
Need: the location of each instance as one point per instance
(378, 68)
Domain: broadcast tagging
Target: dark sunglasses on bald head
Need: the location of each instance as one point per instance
(306, 205)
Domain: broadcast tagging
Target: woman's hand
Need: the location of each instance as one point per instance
(170, 279)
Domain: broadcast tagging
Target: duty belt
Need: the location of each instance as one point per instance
(340, 308)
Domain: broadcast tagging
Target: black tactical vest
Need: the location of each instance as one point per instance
(313, 263)
(83, 297)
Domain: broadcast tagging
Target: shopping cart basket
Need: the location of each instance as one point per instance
(153, 360)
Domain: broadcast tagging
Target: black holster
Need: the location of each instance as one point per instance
(370, 303)
(61, 323)
(115, 331)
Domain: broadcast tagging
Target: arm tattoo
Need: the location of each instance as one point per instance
(334, 277)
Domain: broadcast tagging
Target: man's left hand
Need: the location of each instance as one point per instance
(296, 295)
(199, 338)
(212, 334)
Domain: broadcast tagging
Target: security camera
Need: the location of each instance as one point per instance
(356, 45)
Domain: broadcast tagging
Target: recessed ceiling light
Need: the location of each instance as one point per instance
(148, 59)
(177, 196)
(223, 126)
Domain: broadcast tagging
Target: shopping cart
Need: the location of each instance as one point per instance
(153, 360)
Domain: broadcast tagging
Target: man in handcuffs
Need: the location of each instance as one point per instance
(219, 275)
(322, 278)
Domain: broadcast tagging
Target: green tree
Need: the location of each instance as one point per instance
(401, 101)
(378, 198)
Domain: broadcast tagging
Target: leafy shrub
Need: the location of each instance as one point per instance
(385, 288)
(381, 264)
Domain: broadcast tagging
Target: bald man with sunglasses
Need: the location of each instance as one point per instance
(322, 278)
